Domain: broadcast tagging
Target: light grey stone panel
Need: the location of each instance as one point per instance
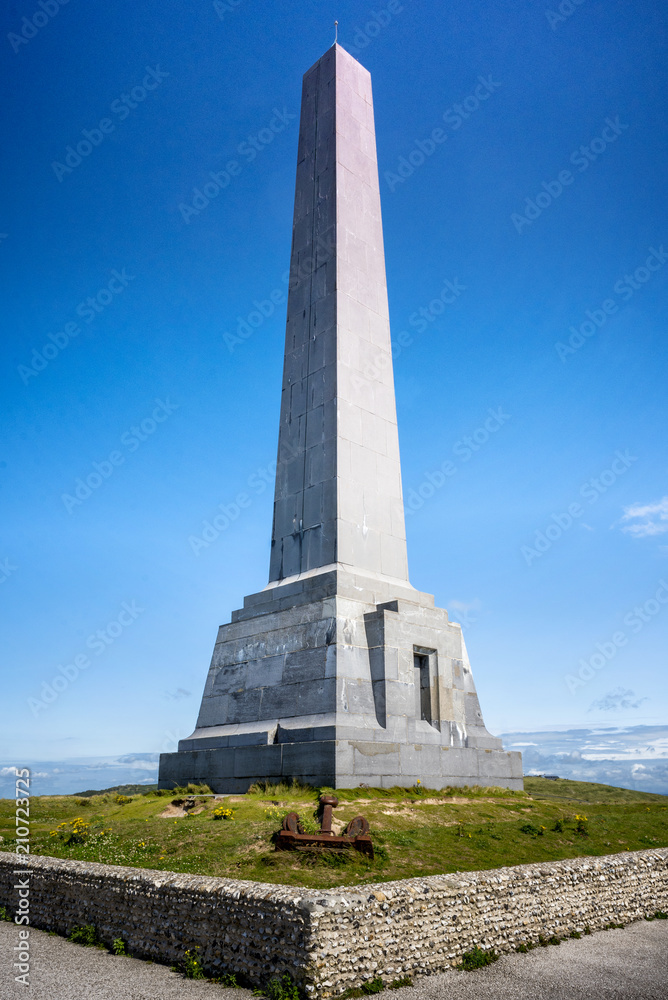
(395, 729)
(493, 763)
(420, 759)
(456, 763)
(400, 698)
(352, 662)
(357, 696)
(376, 758)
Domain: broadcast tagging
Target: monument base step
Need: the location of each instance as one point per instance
(341, 764)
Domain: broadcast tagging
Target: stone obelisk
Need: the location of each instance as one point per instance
(339, 672)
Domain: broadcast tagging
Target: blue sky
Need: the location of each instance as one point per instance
(540, 199)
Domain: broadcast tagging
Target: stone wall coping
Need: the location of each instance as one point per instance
(449, 884)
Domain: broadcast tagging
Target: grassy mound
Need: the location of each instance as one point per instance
(416, 831)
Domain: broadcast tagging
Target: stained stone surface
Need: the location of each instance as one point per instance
(338, 484)
(339, 671)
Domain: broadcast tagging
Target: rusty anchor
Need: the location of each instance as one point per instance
(356, 835)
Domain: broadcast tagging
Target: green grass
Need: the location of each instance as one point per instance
(476, 958)
(416, 832)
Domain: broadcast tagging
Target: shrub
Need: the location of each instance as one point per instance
(530, 829)
(280, 989)
(192, 966)
(5, 915)
(229, 980)
(223, 812)
(476, 958)
(87, 935)
(375, 985)
(558, 826)
(309, 824)
(189, 789)
(118, 946)
(75, 831)
(582, 826)
(122, 800)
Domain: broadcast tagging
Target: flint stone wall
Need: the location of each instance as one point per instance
(330, 940)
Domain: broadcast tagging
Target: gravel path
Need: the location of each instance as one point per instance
(628, 964)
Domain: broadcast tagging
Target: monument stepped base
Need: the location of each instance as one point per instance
(341, 764)
(340, 682)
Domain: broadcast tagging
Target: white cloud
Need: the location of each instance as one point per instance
(615, 701)
(646, 519)
(6, 771)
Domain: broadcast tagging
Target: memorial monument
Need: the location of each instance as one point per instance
(339, 672)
